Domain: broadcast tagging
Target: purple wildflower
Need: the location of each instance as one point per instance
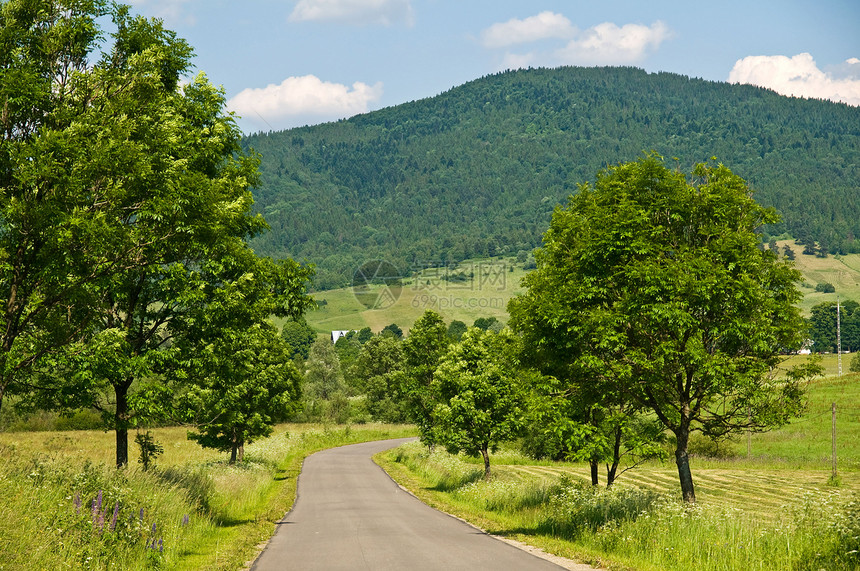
(160, 545)
(115, 516)
(101, 521)
(153, 528)
(77, 502)
(141, 514)
(185, 520)
(99, 498)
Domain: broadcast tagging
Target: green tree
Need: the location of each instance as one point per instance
(481, 402)
(249, 384)
(422, 352)
(159, 186)
(364, 335)
(300, 336)
(324, 390)
(456, 330)
(392, 329)
(659, 283)
(88, 173)
(239, 376)
(485, 322)
(854, 366)
(377, 373)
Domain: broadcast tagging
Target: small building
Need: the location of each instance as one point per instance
(335, 335)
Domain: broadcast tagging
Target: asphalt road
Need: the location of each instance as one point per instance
(350, 515)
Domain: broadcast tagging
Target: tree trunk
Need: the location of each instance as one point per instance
(121, 418)
(683, 462)
(241, 452)
(612, 470)
(233, 450)
(595, 472)
(486, 456)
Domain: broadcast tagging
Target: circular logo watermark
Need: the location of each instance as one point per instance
(377, 284)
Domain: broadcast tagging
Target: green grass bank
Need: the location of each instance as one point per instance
(65, 507)
(765, 501)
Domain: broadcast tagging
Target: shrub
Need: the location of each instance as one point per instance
(854, 367)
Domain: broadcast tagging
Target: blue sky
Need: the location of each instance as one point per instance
(286, 63)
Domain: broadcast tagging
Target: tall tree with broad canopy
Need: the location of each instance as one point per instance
(481, 399)
(239, 376)
(655, 283)
(117, 182)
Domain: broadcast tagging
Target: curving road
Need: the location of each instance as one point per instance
(350, 515)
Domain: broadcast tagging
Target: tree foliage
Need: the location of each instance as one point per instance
(822, 326)
(423, 350)
(240, 377)
(300, 336)
(119, 181)
(655, 281)
(481, 403)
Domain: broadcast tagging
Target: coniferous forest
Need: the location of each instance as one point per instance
(477, 170)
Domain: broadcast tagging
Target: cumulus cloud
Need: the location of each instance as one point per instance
(303, 100)
(384, 12)
(800, 76)
(545, 25)
(603, 44)
(609, 44)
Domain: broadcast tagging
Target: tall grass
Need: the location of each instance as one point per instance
(62, 510)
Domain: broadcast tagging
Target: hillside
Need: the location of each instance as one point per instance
(476, 171)
(488, 297)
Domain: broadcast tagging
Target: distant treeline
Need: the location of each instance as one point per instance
(476, 171)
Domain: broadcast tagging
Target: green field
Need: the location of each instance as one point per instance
(493, 282)
(485, 292)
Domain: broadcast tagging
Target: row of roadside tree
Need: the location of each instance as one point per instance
(126, 283)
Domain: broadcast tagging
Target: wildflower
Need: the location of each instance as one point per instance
(77, 502)
(160, 545)
(153, 528)
(185, 520)
(141, 514)
(115, 516)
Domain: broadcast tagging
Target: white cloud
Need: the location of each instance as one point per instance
(545, 25)
(384, 12)
(608, 44)
(303, 100)
(800, 76)
(604, 44)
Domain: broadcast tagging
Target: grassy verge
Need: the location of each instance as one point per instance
(642, 526)
(65, 508)
(774, 508)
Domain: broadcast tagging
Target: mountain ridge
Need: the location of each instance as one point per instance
(476, 171)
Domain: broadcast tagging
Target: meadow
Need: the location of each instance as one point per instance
(491, 283)
(465, 292)
(65, 506)
(765, 501)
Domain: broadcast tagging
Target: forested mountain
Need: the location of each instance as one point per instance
(477, 170)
